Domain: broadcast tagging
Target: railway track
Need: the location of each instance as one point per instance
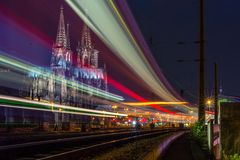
(73, 147)
(25, 138)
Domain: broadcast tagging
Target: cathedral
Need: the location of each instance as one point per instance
(85, 70)
(73, 78)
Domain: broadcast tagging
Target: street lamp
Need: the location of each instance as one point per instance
(209, 102)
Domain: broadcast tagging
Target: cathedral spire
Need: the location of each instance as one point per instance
(86, 41)
(61, 39)
(68, 46)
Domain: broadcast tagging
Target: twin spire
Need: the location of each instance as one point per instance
(87, 56)
(63, 36)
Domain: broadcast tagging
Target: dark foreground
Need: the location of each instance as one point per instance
(184, 149)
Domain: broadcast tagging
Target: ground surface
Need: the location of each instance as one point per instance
(179, 149)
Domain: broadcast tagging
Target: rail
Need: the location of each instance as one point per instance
(50, 148)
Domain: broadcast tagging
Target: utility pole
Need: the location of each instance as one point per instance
(201, 109)
(215, 93)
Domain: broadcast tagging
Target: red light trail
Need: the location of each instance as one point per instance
(132, 94)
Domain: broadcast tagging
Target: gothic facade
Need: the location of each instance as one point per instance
(86, 70)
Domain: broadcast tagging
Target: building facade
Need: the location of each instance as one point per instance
(84, 70)
(80, 66)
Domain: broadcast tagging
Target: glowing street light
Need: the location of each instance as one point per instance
(209, 102)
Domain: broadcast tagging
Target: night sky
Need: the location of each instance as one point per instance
(170, 27)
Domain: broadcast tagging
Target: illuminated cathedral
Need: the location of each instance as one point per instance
(61, 83)
(86, 70)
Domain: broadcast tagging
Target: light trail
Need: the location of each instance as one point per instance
(104, 18)
(134, 95)
(209, 112)
(150, 103)
(34, 105)
(29, 68)
(137, 48)
(57, 111)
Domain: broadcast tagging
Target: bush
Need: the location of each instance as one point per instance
(231, 157)
(199, 134)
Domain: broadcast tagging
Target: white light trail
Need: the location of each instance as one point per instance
(61, 106)
(103, 18)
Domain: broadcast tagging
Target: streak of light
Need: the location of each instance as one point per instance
(105, 20)
(34, 105)
(150, 103)
(21, 24)
(209, 112)
(57, 111)
(134, 95)
(29, 68)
